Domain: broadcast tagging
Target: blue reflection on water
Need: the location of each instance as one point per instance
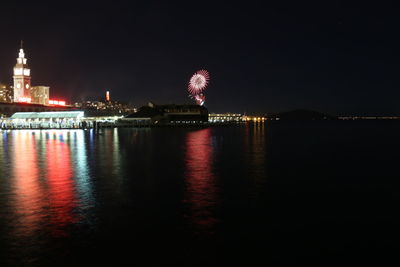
(82, 171)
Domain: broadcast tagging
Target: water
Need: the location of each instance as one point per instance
(279, 193)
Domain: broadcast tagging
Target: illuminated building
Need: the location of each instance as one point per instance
(5, 93)
(107, 96)
(233, 117)
(23, 91)
(53, 102)
(22, 79)
(7, 109)
(40, 95)
(57, 119)
(255, 118)
(225, 117)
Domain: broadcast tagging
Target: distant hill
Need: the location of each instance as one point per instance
(302, 114)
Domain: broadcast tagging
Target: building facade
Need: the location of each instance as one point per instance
(40, 95)
(22, 79)
(6, 93)
(225, 117)
(7, 109)
(171, 114)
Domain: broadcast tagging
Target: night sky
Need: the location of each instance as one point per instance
(332, 57)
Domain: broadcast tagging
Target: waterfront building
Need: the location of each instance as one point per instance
(184, 113)
(7, 109)
(170, 114)
(22, 79)
(40, 95)
(37, 120)
(257, 118)
(6, 93)
(225, 117)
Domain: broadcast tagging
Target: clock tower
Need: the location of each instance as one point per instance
(22, 79)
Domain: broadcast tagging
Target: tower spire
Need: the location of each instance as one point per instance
(22, 79)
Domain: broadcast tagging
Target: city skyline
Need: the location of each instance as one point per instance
(262, 58)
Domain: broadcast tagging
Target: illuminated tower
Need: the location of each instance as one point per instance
(107, 96)
(22, 79)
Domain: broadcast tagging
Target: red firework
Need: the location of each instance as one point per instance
(200, 99)
(198, 82)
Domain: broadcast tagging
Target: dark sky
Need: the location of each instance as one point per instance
(262, 56)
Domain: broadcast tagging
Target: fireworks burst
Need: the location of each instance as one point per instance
(198, 82)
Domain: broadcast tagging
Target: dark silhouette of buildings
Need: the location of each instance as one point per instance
(171, 114)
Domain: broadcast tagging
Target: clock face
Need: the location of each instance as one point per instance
(27, 86)
(18, 85)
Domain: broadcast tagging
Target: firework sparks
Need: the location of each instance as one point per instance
(198, 82)
(200, 99)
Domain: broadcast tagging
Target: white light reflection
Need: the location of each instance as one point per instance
(82, 172)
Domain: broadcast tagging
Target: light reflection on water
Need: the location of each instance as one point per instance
(28, 197)
(49, 180)
(63, 184)
(255, 156)
(61, 187)
(82, 170)
(201, 190)
(180, 195)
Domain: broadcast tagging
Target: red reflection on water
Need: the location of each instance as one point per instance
(29, 196)
(60, 184)
(201, 192)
